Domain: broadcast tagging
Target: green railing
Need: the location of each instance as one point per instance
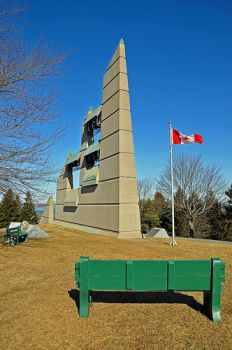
(152, 275)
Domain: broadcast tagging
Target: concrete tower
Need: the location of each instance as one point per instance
(106, 201)
(117, 161)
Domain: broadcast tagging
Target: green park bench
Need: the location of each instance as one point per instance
(15, 235)
(151, 275)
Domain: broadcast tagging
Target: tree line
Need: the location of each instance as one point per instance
(203, 202)
(12, 209)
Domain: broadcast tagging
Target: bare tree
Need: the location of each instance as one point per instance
(196, 187)
(145, 189)
(27, 109)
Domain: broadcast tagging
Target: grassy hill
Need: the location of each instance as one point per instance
(38, 298)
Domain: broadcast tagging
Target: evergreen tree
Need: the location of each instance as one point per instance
(217, 222)
(182, 228)
(228, 214)
(166, 216)
(10, 208)
(18, 208)
(28, 212)
(149, 216)
(181, 224)
(3, 223)
(159, 203)
(229, 195)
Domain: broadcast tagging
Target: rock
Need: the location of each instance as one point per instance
(25, 225)
(35, 232)
(14, 224)
(157, 232)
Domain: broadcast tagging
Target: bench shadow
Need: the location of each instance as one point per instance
(169, 297)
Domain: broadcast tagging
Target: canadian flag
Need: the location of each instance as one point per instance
(178, 138)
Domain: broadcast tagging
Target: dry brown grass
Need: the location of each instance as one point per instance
(38, 310)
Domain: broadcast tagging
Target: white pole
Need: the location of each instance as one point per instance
(173, 242)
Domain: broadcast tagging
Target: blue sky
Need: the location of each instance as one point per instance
(179, 58)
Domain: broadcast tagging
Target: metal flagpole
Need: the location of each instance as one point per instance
(173, 242)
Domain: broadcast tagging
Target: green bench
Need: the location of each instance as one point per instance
(15, 235)
(151, 275)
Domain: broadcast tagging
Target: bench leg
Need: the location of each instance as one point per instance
(212, 299)
(84, 302)
(212, 306)
(84, 290)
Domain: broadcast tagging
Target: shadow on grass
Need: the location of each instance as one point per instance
(139, 298)
(154, 240)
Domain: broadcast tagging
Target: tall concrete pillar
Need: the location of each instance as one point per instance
(48, 214)
(117, 161)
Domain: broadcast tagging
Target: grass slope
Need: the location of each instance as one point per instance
(38, 308)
